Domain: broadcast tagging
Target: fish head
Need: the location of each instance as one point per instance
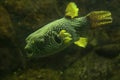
(33, 46)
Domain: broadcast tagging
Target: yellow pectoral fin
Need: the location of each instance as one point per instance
(82, 42)
(64, 33)
(67, 39)
(71, 10)
(61, 33)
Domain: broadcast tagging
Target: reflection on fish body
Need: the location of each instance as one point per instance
(63, 32)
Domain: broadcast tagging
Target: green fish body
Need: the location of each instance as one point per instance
(61, 33)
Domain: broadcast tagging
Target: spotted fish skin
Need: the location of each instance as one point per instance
(45, 41)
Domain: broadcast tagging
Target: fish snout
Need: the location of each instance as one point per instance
(28, 50)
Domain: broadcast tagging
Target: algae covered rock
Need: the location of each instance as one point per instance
(90, 67)
(8, 45)
(6, 34)
(37, 74)
(6, 28)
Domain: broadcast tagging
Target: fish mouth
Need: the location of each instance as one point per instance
(29, 52)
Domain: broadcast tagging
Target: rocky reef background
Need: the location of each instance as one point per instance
(99, 61)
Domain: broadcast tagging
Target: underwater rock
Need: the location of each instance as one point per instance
(8, 61)
(8, 48)
(90, 67)
(37, 74)
(30, 13)
(6, 29)
(110, 50)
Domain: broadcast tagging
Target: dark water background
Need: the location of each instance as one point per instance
(99, 61)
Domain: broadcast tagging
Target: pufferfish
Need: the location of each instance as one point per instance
(59, 34)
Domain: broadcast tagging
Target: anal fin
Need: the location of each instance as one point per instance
(82, 42)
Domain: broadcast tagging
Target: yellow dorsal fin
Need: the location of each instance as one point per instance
(82, 42)
(71, 10)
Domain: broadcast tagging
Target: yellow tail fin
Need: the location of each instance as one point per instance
(99, 18)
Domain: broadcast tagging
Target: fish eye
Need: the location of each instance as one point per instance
(57, 39)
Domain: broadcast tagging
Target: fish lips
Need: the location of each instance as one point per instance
(29, 52)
